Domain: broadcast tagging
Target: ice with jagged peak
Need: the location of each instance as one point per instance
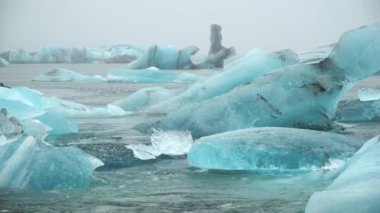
(165, 57)
(356, 110)
(151, 75)
(3, 62)
(356, 189)
(368, 94)
(301, 95)
(61, 74)
(240, 72)
(28, 163)
(172, 143)
(57, 54)
(271, 149)
(144, 98)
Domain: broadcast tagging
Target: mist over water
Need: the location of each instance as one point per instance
(270, 25)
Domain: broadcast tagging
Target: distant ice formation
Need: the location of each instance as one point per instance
(56, 54)
(356, 189)
(368, 94)
(271, 149)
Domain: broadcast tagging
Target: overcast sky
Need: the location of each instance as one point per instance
(268, 24)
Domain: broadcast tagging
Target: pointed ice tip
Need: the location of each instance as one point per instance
(358, 52)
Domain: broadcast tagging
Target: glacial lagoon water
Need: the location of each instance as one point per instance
(162, 185)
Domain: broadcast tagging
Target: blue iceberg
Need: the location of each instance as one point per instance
(27, 162)
(64, 75)
(356, 110)
(239, 72)
(151, 75)
(300, 95)
(356, 189)
(271, 149)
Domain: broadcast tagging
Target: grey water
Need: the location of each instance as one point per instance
(163, 185)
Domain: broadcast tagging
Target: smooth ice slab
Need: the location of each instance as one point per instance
(301, 95)
(239, 72)
(271, 149)
(63, 75)
(151, 75)
(170, 143)
(356, 189)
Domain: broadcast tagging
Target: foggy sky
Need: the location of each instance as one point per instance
(268, 24)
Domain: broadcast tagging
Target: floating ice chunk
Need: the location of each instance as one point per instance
(144, 98)
(271, 149)
(165, 58)
(3, 62)
(171, 143)
(368, 94)
(302, 95)
(356, 189)
(355, 110)
(31, 164)
(35, 128)
(60, 74)
(151, 76)
(240, 72)
(73, 109)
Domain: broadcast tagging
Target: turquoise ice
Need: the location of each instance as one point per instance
(356, 110)
(300, 95)
(64, 75)
(356, 189)
(144, 98)
(27, 162)
(271, 149)
(242, 71)
(151, 75)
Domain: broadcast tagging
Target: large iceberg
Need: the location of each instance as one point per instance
(301, 95)
(151, 75)
(271, 149)
(61, 74)
(30, 163)
(56, 54)
(3, 62)
(356, 189)
(239, 72)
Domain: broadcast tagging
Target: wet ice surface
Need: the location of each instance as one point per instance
(161, 185)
